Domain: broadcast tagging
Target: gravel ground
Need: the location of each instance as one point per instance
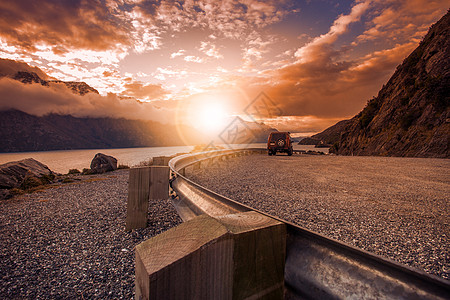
(68, 241)
(394, 207)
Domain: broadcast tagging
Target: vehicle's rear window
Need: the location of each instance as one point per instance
(277, 136)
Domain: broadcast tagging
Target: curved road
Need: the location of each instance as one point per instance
(394, 207)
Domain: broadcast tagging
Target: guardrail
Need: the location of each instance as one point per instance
(315, 267)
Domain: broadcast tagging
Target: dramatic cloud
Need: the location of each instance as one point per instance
(228, 18)
(322, 86)
(319, 46)
(397, 20)
(325, 88)
(64, 25)
(178, 53)
(57, 98)
(143, 91)
(196, 59)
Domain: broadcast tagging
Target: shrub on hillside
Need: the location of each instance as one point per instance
(74, 171)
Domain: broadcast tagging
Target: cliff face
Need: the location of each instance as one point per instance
(411, 114)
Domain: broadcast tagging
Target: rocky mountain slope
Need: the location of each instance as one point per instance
(327, 137)
(411, 114)
(80, 88)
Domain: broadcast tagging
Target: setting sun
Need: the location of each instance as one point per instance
(212, 118)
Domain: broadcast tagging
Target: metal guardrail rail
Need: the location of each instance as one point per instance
(317, 267)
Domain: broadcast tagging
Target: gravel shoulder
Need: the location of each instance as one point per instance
(69, 242)
(394, 207)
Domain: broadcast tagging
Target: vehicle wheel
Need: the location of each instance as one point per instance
(290, 151)
(280, 142)
(269, 153)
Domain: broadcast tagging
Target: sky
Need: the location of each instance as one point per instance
(311, 63)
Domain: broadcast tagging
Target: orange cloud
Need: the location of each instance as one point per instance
(63, 24)
(326, 88)
(395, 20)
(143, 91)
(307, 125)
(325, 85)
(40, 100)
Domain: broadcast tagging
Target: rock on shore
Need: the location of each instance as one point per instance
(102, 163)
(15, 174)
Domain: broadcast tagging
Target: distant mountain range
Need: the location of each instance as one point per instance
(21, 131)
(411, 114)
(24, 132)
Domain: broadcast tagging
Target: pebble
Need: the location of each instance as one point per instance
(73, 245)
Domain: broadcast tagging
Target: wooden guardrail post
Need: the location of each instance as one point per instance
(161, 160)
(145, 183)
(239, 256)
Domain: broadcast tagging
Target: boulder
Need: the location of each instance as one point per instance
(13, 174)
(102, 163)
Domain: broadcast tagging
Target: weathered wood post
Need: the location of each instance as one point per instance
(239, 256)
(161, 160)
(145, 183)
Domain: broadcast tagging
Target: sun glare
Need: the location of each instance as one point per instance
(212, 117)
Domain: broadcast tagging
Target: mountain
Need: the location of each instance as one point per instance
(327, 137)
(411, 114)
(25, 132)
(28, 77)
(258, 132)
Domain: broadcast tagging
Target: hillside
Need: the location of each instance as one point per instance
(411, 114)
(25, 132)
(327, 137)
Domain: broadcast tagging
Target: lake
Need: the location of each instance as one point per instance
(62, 160)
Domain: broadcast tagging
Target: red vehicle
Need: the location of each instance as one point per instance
(279, 142)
